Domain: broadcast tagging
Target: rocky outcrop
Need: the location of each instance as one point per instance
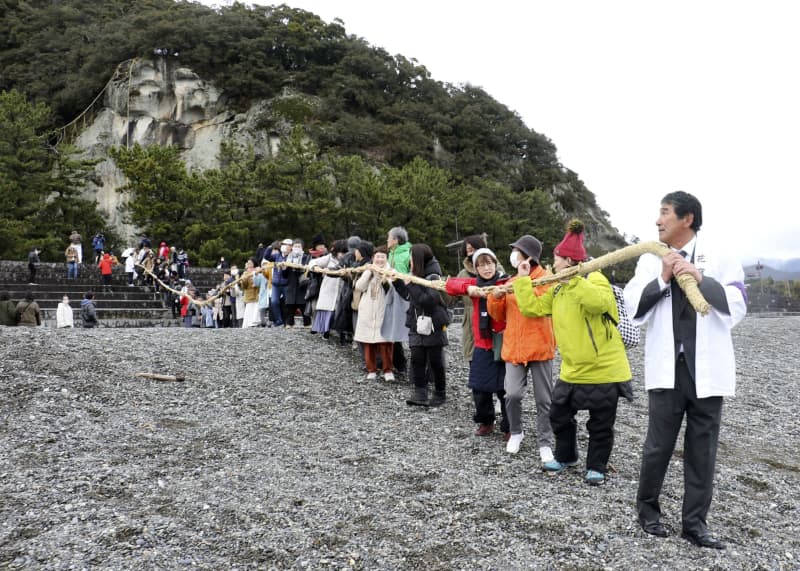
(159, 102)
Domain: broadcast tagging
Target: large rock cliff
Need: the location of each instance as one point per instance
(158, 102)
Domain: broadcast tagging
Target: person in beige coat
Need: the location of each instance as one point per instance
(28, 311)
(371, 308)
(250, 289)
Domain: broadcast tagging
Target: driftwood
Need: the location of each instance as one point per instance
(686, 282)
(159, 377)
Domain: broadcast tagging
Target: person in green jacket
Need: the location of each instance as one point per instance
(399, 249)
(594, 366)
(399, 259)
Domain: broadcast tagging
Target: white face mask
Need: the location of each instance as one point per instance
(285, 250)
(515, 258)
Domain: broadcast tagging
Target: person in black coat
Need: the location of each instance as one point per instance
(33, 264)
(295, 296)
(427, 347)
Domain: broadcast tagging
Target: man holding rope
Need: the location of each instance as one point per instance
(689, 362)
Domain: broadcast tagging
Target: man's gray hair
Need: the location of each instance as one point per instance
(353, 242)
(400, 234)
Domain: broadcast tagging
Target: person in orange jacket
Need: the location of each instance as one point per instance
(528, 346)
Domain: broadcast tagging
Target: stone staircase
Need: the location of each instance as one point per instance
(121, 306)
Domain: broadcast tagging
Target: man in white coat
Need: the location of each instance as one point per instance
(689, 362)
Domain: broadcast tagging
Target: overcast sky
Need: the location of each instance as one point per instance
(640, 98)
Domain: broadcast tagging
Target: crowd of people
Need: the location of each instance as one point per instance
(509, 336)
(511, 330)
(514, 328)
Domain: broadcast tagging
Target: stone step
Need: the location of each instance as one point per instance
(87, 283)
(52, 291)
(89, 275)
(104, 304)
(106, 313)
(126, 322)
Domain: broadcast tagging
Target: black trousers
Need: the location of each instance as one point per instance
(600, 427)
(703, 416)
(399, 357)
(32, 270)
(484, 408)
(432, 356)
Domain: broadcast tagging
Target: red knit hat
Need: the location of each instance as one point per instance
(572, 244)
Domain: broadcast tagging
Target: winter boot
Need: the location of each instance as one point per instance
(439, 397)
(419, 396)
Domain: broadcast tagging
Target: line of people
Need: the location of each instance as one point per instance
(508, 337)
(511, 335)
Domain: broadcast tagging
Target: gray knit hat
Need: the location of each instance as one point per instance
(529, 246)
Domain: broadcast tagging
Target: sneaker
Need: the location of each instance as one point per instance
(389, 376)
(512, 447)
(485, 430)
(546, 454)
(594, 478)
(555, 466)
(372, 376)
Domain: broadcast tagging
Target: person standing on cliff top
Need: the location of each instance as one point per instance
(75, 242)
(33, 264)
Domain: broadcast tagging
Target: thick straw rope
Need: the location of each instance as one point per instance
(686, 282)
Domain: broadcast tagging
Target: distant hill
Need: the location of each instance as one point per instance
(790, 271)
(792, 265)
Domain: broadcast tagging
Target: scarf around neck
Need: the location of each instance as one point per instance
(484, 321)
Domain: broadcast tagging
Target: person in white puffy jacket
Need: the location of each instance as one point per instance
(64, 317)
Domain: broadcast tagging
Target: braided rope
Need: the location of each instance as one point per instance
(686, 282)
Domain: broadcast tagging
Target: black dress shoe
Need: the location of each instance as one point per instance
(705, 540)
(655, 528)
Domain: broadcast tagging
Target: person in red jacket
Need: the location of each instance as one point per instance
(185, 300)
(106, 264)
(487, 371)
(163, 251)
